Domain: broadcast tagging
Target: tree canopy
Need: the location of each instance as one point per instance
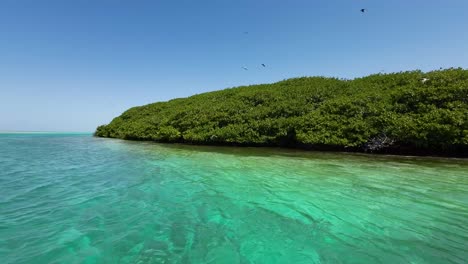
(391, 113)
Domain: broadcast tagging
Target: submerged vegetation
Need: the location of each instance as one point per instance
(406, 112)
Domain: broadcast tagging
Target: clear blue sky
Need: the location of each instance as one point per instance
(70, 65)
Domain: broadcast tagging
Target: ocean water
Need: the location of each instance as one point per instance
(72, 198)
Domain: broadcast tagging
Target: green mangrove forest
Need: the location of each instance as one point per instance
(411, 112)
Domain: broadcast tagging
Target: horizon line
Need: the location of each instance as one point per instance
(42, 131)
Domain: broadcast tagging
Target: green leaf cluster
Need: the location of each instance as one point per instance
(315, 112)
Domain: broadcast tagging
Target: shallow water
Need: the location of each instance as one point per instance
(78, 199)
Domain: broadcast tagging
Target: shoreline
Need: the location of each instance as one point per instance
(396, 151)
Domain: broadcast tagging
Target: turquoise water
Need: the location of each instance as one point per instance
(79, 199)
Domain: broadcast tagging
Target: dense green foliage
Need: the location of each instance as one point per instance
(382, 112)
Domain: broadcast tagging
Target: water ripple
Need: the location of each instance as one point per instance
(79, 199)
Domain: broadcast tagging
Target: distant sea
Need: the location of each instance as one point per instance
(73, 198)
(42, 132)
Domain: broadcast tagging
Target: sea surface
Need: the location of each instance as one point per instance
(73, 198)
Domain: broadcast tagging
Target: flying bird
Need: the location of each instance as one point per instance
(263, 65)
(363, 10)
(423, 80)
(245, 68)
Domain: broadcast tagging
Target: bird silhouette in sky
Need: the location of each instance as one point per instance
(363, 10)
(245, 68)
(263, 65)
